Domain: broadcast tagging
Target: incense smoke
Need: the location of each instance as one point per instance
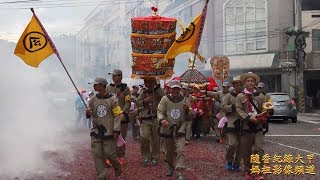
(33, 124)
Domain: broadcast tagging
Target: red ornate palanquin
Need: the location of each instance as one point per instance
(151, 38)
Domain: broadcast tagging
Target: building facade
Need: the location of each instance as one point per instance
(310, 21)
(252, 34)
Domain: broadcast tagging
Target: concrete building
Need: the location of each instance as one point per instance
(252, 34)
(310, 21)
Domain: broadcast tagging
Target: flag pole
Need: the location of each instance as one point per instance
(57, 54)
(198, 40)
(64, 67)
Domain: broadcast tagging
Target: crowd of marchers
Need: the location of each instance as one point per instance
(167, 119)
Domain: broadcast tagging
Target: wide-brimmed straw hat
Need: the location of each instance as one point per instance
(250, 74)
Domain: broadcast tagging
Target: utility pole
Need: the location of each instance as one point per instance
(300, 42)
(300, 56)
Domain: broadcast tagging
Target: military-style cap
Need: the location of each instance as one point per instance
(231, 89)
(225, 84)
(175, 84)
(260, 85)
(236, 79)
(100, 80)
(116, 72)
(185, 86)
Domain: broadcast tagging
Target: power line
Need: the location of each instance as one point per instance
(75, 4)
(14, 2)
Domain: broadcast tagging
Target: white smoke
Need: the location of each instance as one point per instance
(32, 123)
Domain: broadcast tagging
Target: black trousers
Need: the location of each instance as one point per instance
(196, 127)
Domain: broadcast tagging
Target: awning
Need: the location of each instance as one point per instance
(254, 61)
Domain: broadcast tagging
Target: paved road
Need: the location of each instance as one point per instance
(305, 134)
(302, 138)
(204, 158)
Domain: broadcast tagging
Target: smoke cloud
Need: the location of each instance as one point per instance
(33, 122)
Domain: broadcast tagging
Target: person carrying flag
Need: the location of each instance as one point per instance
(107, 115)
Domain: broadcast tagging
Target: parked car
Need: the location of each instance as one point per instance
(284, 106)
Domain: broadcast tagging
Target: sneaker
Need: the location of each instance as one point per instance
(235, 167)
(187, 142)
(229, 166)
(169, 171)
(180, 177)
(117, 172)
(108, 163)
(154, 162)
(121, 160)
(258, 177)
(146, 162)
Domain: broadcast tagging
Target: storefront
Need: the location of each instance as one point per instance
(265, 65)
(312, 84)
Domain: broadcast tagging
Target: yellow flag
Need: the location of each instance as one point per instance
(34, 45)
(198, 54)
(187, 40)
(190, 38)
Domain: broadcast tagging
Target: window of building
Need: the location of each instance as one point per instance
(245, 26)
(315, 39)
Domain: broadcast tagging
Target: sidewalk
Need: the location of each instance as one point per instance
(313, 113)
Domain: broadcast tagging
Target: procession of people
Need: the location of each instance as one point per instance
(171, 121)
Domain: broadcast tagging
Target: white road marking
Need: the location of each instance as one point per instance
(292, 147)
(308, 121)
(288, 135)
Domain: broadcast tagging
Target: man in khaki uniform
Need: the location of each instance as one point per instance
(133, 113)
(261, 89)
(188, 99)
(249, 104)
(107, 114)
(147, 104)
(123, 93)
(218, 100)
(225, 90)
(233, 154)
(135, 91)
(173, 111)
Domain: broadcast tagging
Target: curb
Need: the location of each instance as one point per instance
(309, 115)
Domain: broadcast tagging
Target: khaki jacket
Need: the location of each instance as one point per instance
(188, 100)
(172, 110)
(123, 93)
(147, 113)
(267, 96)
(243, 111)
(229, 108)
(107, 112)
(219, 97)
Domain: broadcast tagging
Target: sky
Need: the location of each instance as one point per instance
(56, 19)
